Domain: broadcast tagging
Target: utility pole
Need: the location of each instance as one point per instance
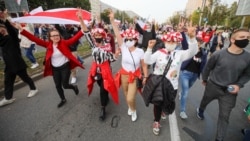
(243, 21)
(202, 10)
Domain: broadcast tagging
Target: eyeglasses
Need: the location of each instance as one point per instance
(54, 35)
(128, 40)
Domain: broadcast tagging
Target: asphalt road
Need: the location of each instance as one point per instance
(39, 119)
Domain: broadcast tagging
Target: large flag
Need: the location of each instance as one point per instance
(142, 24)
(54, 16)
(36, 10)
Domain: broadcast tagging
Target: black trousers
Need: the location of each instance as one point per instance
(9, 80)
(103, 93)
(157, 112)
(61, 78)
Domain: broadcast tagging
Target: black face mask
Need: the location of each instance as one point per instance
(1, 36)
(241, 43)
(98, 40)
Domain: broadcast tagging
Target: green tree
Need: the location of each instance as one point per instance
(50, 4)
(105, 16)
(174, 20)
(195, 18)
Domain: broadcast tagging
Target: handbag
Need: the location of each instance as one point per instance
(139, 84)
(152, 91)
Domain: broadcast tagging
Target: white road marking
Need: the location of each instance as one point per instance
(174, 130)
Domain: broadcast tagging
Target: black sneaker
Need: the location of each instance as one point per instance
(200, 113)
(61, 103)
(76, 90)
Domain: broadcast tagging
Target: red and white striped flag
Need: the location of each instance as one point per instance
(18, 2)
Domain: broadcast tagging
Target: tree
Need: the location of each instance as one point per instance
(50, 4)
(105, 16)
(195, 17)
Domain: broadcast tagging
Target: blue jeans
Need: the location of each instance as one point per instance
(29, 53)
(187, 80)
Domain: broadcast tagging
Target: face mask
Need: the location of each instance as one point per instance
(148, 30)
(98, 40)
(241, 43)
(1, 36)
(129, 43)
(170, 47)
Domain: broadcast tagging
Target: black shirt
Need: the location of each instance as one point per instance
(195, 63)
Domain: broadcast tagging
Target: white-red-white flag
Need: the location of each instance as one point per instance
(18, 2)
(55, 16)
(36, 10)
(142, 24)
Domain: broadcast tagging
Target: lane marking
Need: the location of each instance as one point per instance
(174, 130)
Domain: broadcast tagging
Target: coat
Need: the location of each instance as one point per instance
(63, 46)
(109, 83)
(11, 51)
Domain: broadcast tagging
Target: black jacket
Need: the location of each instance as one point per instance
(146, 35)
(11, 50)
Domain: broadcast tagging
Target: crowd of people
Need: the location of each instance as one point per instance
(177, 55)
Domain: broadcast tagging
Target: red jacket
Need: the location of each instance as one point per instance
(108, 81)
(63, 46)
(131, 77)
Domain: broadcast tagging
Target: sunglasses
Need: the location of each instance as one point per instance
(128, 40)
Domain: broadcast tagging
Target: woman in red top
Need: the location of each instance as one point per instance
(58, 60)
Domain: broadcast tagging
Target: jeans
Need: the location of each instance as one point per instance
(247, 135)
(187, 80)
(29, 53)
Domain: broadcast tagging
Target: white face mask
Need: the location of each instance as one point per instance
(148, 30)
(170, 47)
(129, 43)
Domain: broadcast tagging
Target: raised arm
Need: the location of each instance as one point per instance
(115, 28)
(83, 25)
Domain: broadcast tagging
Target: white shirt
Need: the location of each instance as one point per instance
(178, 56)
(58, 59)
(127, 61)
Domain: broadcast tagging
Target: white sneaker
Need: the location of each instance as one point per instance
(163, 116)
(6, 102)
(32, 93)
(73, 80)
(129, 112)
(156, 128)
(133, 116)
(34, 65)
(183, 115)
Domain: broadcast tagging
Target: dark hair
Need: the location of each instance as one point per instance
(2, 8)
(2, 25)
(51, 30)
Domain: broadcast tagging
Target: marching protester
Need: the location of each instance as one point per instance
(100, 70)
(28, 45)
(190, 71)
(14, 63)
(147, 34)
(166, 72)
(225, 73)
(68, 32)
(132, 63)
(59, 59)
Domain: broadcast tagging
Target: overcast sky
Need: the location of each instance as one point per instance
(160, 10)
